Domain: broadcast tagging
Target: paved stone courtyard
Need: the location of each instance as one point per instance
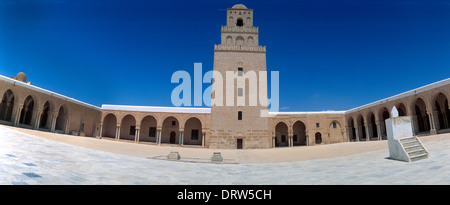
(27, 159)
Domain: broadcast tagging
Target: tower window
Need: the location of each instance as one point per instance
(240, 92)
(240, 115)
(240, 22)
(334, 124)
(240, 70)
(317, 125)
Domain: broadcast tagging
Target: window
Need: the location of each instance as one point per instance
(132, 130)
(317, 125)
(174, 123)
(194, 134)
(240, 70)
(240, 92)
(240, 22)
(283, 138)
(152, 132)
(334, 124)
(240, 115)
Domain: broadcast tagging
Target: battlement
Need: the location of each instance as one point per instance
(221, 47)
(232, 29)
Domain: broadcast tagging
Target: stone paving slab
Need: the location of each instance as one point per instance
(60, 163)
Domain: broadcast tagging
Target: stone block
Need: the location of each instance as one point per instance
(173, 156)
(217, 157)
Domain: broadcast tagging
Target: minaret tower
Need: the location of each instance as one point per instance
(236, 119)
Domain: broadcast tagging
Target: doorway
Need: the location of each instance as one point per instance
(172, 137)
(239, 144)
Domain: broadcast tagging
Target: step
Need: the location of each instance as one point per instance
(413, 148)
(419, 157)
(417, 152)
(409, 139)
(411, 144)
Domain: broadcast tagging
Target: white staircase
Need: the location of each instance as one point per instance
(413, 148)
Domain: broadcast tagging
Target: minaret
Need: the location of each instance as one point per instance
(236, 119)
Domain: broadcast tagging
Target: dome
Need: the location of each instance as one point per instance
(239, 6)
(21, 77)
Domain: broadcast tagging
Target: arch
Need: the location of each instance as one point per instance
(26, 114)
(109, 126)
(383, 115)
(128, 127)
(45, 122)
(7, 105)
(239, 41)
(250, 41)
(299, 133)
(148, 129)
(170, 124)
(281, 135)
(442, 110)
(361, 128)
(229, 40)
(335, 132)
(318, 138)
(401, 108)
(61, 120)
(371, 123)
(423, 123)
(352, 130)
(193, 132)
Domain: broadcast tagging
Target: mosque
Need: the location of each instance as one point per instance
(224, 127)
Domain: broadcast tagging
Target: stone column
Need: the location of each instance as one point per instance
(18, 112)
(349, 134)
(53, 125)
(38, 120)
(203, 139)
(367, 132)
(378, 130)
(136, 134)
(180, 141)
(67, 126)
(357, 133)
(158, 135)
(101, 130)
(431, 117)
(118, 132)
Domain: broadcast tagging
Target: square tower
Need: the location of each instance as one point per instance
(236, 119)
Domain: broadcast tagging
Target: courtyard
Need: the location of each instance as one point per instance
(30, 157)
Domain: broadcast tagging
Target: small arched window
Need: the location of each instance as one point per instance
(240, 22)
(239, 41)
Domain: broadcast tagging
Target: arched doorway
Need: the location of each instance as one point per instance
(148, 129)
(352, 130)
(61, 120)
(128, 128)
(26, 115)
(281, 135)
(172, 137)
(442, 110)
(170, 130)
(193, 132)
(361, 129)
(45, 121)
(6, 106)
(372, 127)
(422, 117)
(109, 126)
(299, 135)
(318, 138)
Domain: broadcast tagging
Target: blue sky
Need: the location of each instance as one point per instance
(332, 55)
